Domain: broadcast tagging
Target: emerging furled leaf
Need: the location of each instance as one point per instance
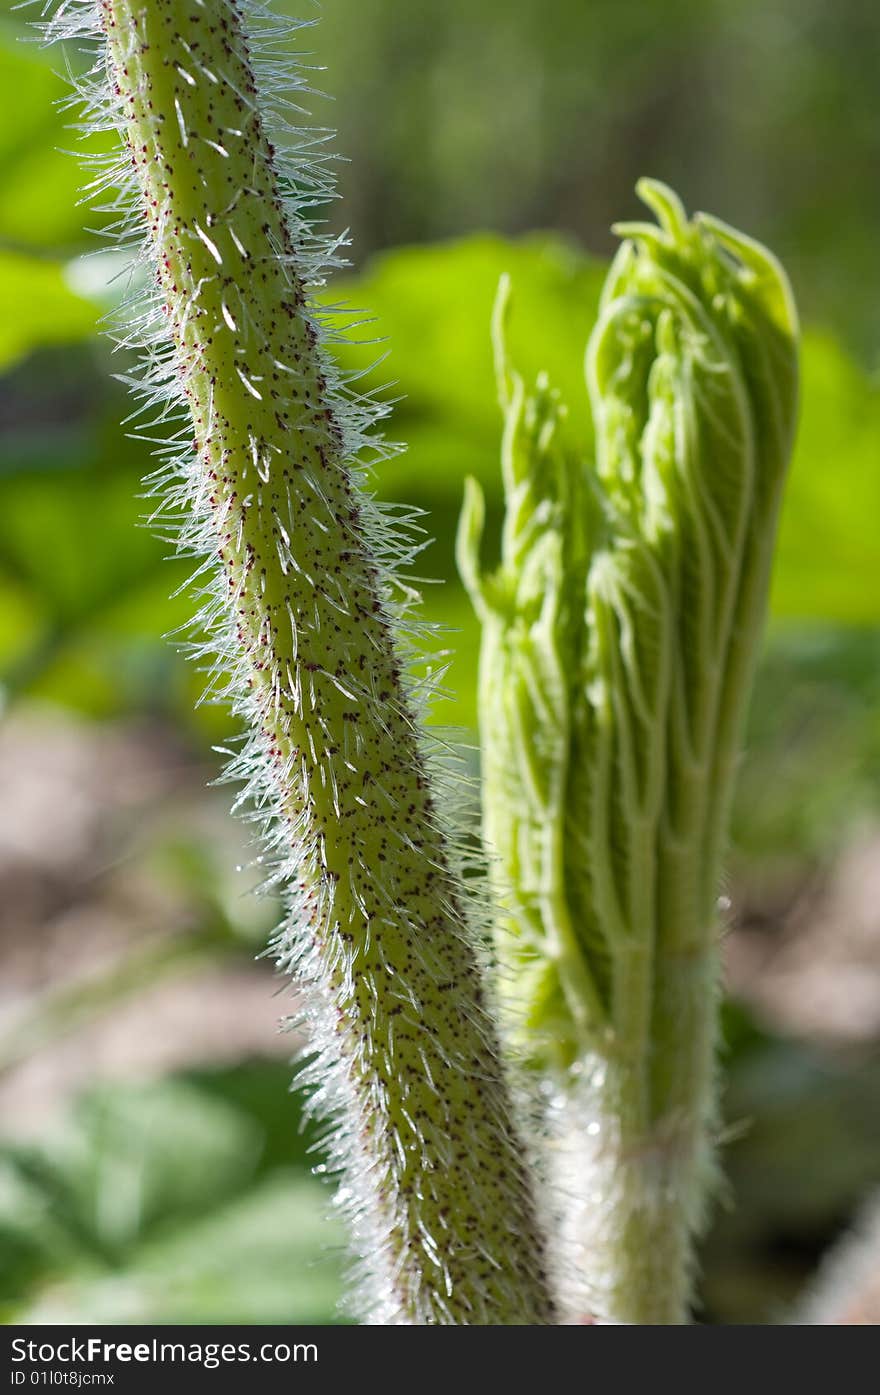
(619, 639)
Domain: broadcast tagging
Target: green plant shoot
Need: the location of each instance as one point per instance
(620, 633)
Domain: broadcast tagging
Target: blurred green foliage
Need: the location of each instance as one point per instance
(187, 1201)
(519, 114)
(39, 307)
(495, 97)
(87, 590)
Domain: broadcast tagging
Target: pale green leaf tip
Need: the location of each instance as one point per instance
(758, 270)
(665, 204)
(468, 540)
(504, 376)
(766, 272)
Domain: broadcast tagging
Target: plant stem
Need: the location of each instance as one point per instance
(634, 1185)
(301, 623)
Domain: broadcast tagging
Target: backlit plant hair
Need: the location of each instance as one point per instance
(297, 564)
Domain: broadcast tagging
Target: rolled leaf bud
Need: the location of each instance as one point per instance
(619, 644)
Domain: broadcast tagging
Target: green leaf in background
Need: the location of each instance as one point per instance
(260, 1259)
(39, 181)
(84, 589)
(39, 307)
(433, 305)
(810, 773)
(190, 1200)
(828, 559)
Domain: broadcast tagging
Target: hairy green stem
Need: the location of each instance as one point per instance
(435, 1172)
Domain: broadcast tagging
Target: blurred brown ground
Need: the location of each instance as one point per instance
(127, 959)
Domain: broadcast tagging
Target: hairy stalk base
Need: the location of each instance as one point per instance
(632, 1187)
(301, 621)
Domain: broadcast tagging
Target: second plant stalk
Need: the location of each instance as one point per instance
(620, 633)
